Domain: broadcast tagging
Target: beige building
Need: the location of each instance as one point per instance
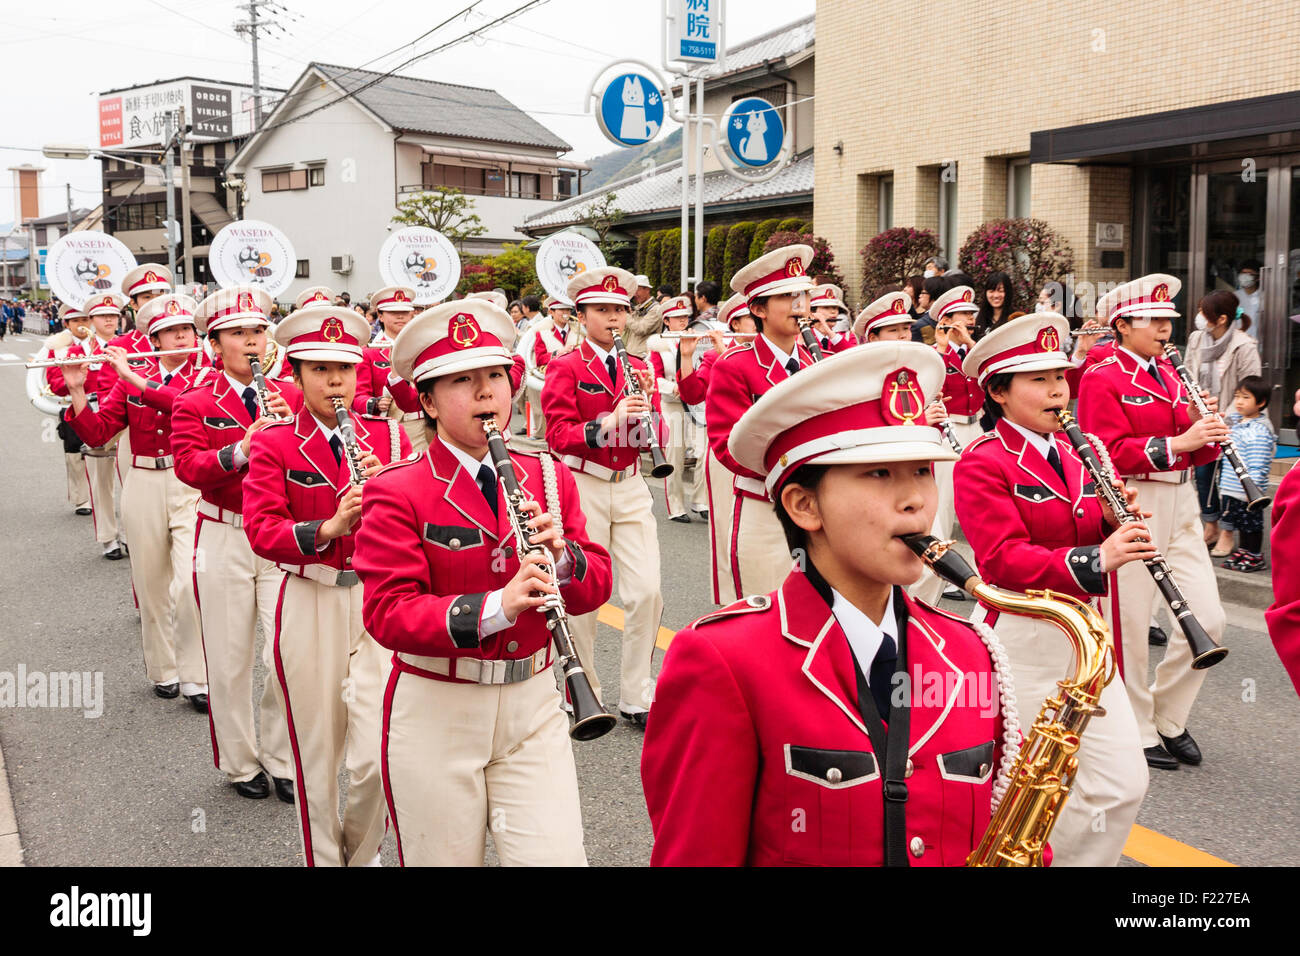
(1153, 136)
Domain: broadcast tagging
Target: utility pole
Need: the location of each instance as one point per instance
(252, 26)
(187, 232)
(68, 187)
(169, 180)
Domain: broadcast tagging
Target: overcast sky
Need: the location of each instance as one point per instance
(59, 56)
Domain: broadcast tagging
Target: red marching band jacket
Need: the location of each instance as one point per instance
(756, 752)
(693, 384)
(146, 413)
(294, 485)
(1121, 404)
(372, 378)
(576, 396)
(1098, 353)
(208, 421)
(1283, 615)
(429, 550)
(739, 377)
(100, 376)
(1029, 530)
(961, 395)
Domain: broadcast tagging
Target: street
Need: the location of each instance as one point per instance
(135, 785)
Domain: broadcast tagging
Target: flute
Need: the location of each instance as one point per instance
(675, 336)
(1256, 497)
(99, 357)
(1205, 651)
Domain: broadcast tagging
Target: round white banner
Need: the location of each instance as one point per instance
(252, 252)
(82, 264)
(561, 256)
(422, 259)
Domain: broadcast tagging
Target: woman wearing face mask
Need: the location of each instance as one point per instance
(1219, 354)
(1248, 296)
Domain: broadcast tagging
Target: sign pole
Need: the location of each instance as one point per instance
(169, 178)
(686, 183)
(699, 181)
(187, 230)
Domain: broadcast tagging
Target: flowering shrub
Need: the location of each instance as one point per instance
(1028, 250)
(894, 255)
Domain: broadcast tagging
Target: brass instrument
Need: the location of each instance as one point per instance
(589, 719)
(263, 390)
(660, 467)
(1256, 497)
(1044, 770)
(1205, 651)
(351, 449)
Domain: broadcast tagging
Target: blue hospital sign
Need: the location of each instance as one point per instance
(755, 132)
(694, 34)
(631, 110)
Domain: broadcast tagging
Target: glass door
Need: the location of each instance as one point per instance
(1282, 292)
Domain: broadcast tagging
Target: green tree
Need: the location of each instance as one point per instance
(670, 257)
(515, 270)
(739, 238)
(761, 235)
(604, 216)
(793, 225)
(444, 208)
(650, 267)
(715, 251)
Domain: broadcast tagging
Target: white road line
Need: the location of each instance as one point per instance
(8, 357)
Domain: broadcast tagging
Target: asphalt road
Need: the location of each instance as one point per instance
(136, 785)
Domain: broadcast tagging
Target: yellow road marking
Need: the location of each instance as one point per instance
(1145, 846)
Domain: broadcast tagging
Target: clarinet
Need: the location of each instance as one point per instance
(660, 468)
(1205, 652)
(950, 435)
(810, 339)
(589, 719)
(263, 390)
(351, 450)
(1256, 498)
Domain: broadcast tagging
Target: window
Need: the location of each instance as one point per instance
(284, 179)
(1018, 188)
(526, 185)
(468, 179)
(885, 204)
(144, 215)
(316, 176)
(303, 270)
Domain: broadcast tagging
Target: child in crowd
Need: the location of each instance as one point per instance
(1253, 435)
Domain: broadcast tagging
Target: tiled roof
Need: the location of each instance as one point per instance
(773, 45)
(427, 106)
(663, 191)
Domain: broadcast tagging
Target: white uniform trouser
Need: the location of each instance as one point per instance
(535, 422)
(930, 587)
(417, 433)
(462, 758)
(619, 519)
(698, 438)
(158, 516)
(332, 675)
(1112, 779)
(675, 453)
(749, 549)
(236, 590)
(78, 479)
(101, 472)
(1163, 706)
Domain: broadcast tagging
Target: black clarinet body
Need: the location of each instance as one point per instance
(660, 468)
(589, 719)
(810, 340)
(1205, 651)
(351, 449)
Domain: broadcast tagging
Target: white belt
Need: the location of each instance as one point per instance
(751, 485)
(1168, 477)
(217, 513)
(598, 471)
(322, 574)
(479, 671)
(412, 416)
(156, 464)
(963, 419)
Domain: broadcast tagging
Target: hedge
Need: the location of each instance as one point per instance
(739, 238)
(715, 251)
(761, 235)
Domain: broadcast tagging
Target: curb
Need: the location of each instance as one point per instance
(11, 847)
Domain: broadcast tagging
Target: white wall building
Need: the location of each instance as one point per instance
(331, 162)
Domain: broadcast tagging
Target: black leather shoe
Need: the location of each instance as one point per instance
(636, 720)
(167, 691)
(84, 511)
(114, 553)
(951, 593)
(682, 519)
(1183, 747)
(284, 789)
(1160, 759)
(1156, 636)
(704, 514)
(198, 701)
(259, 788)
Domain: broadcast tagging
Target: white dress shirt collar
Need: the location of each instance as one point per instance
(239, 386)
(782, 358)
(1042, 443)
(601, 354)
(1143, 361)
(865, 636)
(468, 463)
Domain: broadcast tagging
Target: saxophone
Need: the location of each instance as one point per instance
(1044, 770)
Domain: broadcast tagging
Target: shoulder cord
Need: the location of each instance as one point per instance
(1102, 452)
(552, 490)
(394, 442)
(1010, 714)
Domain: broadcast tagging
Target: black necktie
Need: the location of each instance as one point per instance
(250, 402)
(1054, 459)
(336, 446)
(826, 344)
(792, 366)
(882, 674)
(487, 483)
(609, 367)
(167, 378)
(1155, 374)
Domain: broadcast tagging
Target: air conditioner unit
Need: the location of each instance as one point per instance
(341, 264)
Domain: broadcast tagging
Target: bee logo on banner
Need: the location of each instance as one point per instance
(251, 252)
(83, 264)
(563, 255)
(423, 259)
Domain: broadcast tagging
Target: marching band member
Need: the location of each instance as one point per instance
(76, 328)
(887, 319)
(593, 423)
(664, 362)
(157, 507)
(140, 285)
(473, 733)
(775, 736)
(826, 305)
(212, 429)
(301, 505)
(1024, 500)
(1283, 615)
(554, 335)
(1135, 403)
(775, 287)
(518, 367)
(379, 391)
(104, 309)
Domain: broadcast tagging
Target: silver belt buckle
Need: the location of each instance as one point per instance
(617, 476)
(346, 579)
